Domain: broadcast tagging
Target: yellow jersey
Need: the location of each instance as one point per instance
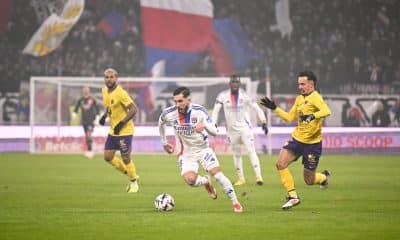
(116, 102)
(304, 105)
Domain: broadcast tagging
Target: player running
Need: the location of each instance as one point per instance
(310, 110)
(120, 108)
(192, 125)
(237, 106)
(89, 109)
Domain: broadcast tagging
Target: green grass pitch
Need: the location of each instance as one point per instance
(70, 197)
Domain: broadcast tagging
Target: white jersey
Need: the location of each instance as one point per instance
(236, 109)
(187, 139)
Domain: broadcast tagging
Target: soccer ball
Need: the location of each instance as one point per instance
(164, 202)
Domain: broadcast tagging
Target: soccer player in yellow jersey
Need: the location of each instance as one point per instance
(120, 109)
(310, 110)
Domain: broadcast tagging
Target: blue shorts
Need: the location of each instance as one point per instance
(121, 143)
(310, 152)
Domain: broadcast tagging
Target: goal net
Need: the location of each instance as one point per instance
(52, 128)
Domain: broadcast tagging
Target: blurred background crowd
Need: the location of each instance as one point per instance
(352, 46)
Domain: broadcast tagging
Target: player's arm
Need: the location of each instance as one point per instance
(97, 112)
(131, 111)
(96, 107)
(74, 113)
(260, 114)
(102, 120)
(216, 110)
(287, 116)
(169, 148)
(207, 126)
(323, 108)
(77, 105)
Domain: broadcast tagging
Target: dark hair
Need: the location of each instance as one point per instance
(310, 76)
(234, 77)
(184, 90)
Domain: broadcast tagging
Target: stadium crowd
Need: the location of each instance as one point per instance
(350, 45)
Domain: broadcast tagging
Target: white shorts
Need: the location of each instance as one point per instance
(244, 137)
(190, 162)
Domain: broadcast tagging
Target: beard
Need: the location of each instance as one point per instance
(183, 110)
(111, 86)
(234, 90)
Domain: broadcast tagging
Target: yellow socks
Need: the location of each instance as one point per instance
(319, 178)
(288, 182)
(119, 165)
(131, 170)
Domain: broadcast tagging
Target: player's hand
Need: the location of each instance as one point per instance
(199, 127)
(268, 103)
(168, 148)
(102, 120)
(307, 118)
(74, 115)
(97, 120)
(265, 128)
(118, 127)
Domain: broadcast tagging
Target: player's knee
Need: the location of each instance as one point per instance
(190, 182)
(309, 181)
(279, 165)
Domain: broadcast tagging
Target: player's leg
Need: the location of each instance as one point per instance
(88, 128)
(189, 171)
(286, 156)
(248, 141)
(125, 146)
(311, 156)
(210, 163)
(235, 143)
(109, 154)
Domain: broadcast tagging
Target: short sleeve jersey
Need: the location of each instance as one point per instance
(116, 103)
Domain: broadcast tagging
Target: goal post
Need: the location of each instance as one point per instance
(52, 100)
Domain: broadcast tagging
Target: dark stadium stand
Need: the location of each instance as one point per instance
(352, 46)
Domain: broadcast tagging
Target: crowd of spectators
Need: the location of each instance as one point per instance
(85, 52)
(351, 45)
(347, 43)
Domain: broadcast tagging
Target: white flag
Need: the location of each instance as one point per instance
(282, 15)
(54, 29)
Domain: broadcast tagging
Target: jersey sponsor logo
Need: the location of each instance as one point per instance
(311, 158)
(184, 129)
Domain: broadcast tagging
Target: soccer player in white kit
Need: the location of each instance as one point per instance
(237, 105)
(192, 125)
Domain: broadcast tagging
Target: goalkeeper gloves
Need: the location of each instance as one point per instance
(268, 103)
(102, 120)
(74, 115)
(307, 118)
(118, 127)
(265, 128)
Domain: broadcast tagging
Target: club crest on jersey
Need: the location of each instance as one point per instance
(193, 120)
(311, 158)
